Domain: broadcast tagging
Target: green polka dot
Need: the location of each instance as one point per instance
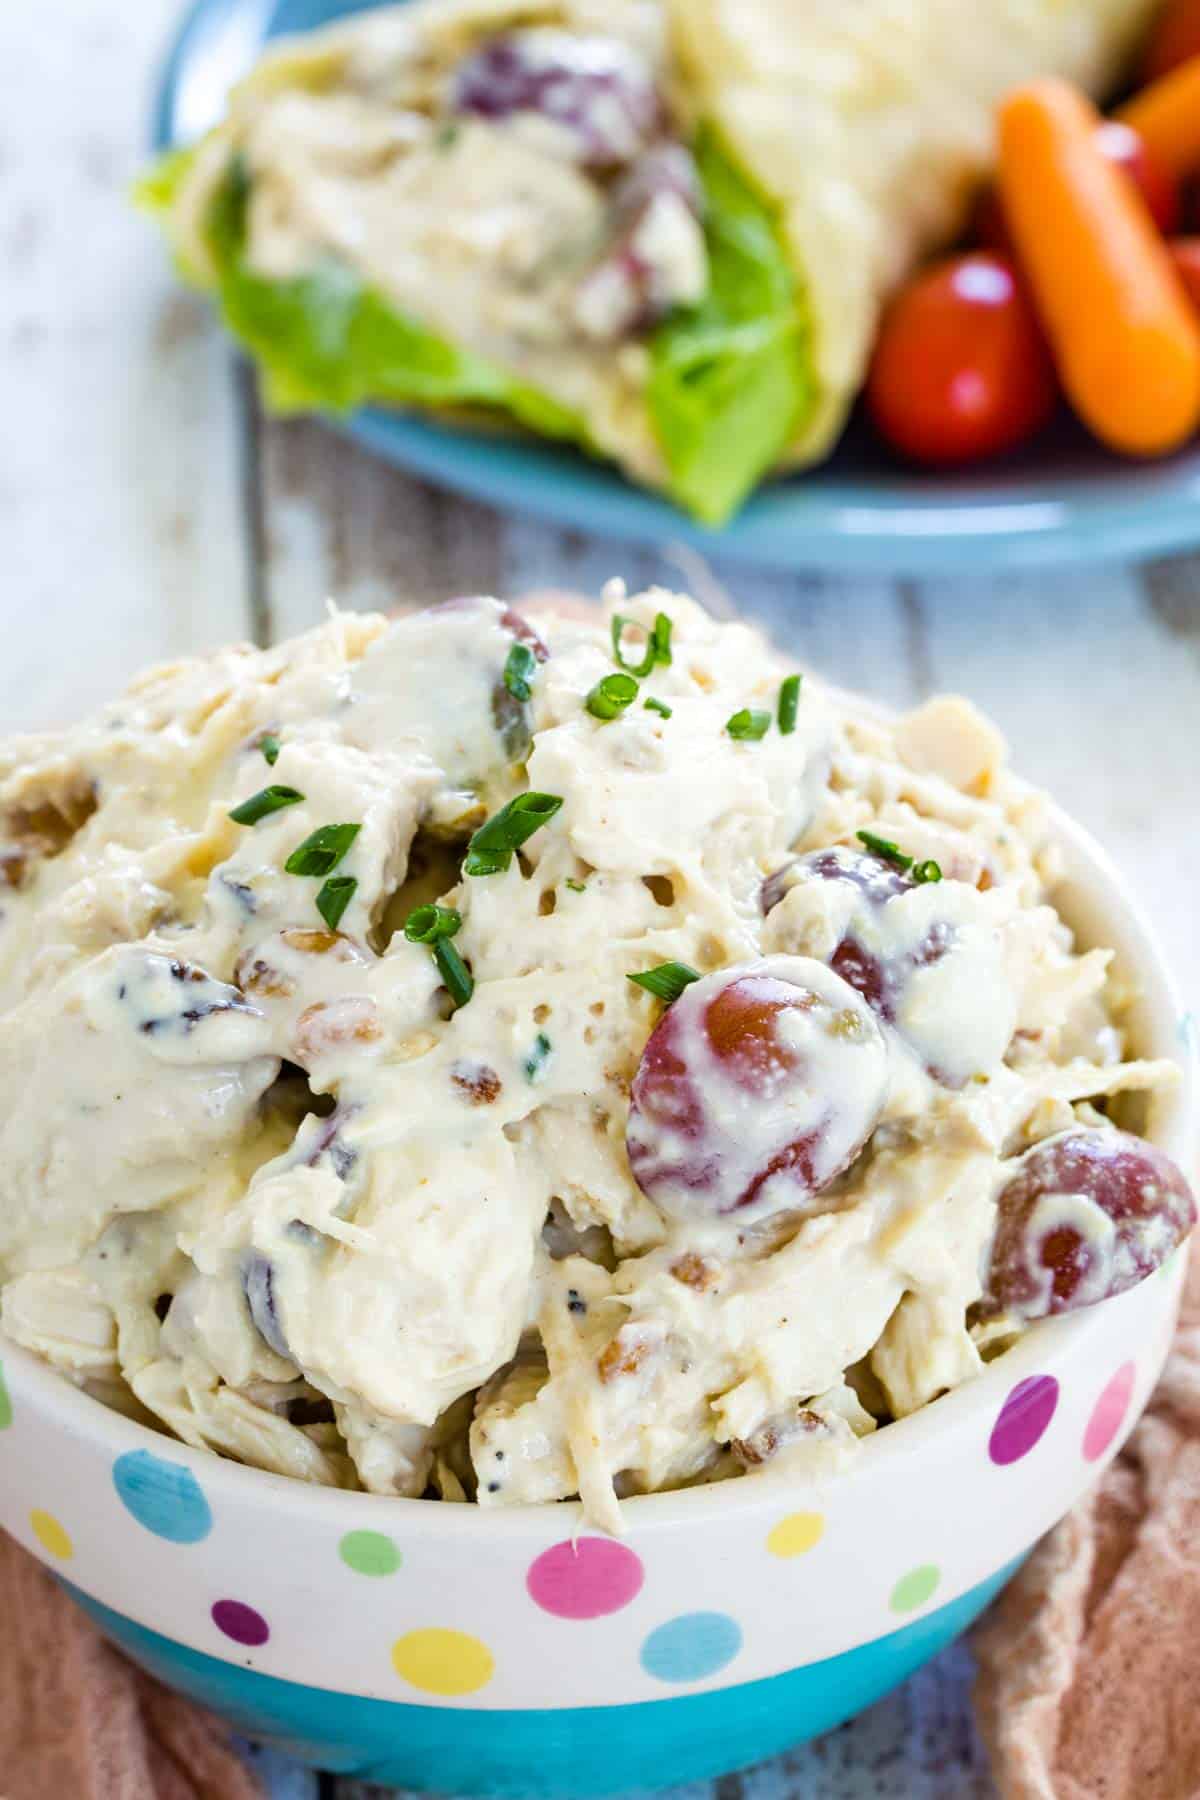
(915, 1589)
(5, 1403)
(369, 1553)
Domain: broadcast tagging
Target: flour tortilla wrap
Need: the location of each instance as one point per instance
(870, 123)
(371, 243)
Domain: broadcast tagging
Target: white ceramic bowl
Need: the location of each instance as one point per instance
(444, 1647)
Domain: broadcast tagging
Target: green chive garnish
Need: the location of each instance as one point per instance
(667, 981)
(748, 725)
(435, 926)
(658, 644)
(658, 706)
(789, 701)
(490, 851)
(519, 672)
(884, 847)
(454, 972)
(428, 924)
(322, 850)
(269, 745)
(610, 697)
(576, 887)
(535, 1062)
(334, 898)
(267, 800)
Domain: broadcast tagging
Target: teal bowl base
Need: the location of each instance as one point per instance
(559, 1754)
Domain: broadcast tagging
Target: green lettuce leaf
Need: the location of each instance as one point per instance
(731, 378)
(330, 341)
(157, 188)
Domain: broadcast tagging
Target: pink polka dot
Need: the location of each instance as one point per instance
(585, 1578)
(1023, 1418)
(1108, 1414)
(240, 1622)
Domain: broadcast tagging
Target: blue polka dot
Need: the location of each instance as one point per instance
(165, 1497)
(692, 1646)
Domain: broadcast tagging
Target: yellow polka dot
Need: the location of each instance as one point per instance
(443, 1662)
(799, 1532)
(50, 1534)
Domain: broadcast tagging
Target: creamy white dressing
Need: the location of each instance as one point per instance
(260, 1179)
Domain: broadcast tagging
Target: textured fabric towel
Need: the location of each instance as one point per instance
(78, 1722)
(1087, 1664)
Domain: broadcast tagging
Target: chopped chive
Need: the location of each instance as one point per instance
(334, 898)
(576, 887)
(429, 924)
(749, 725)
(267, 800)
(490, 851)
(927, 871)
(658, 706)
(519, 672)
(662, 639)
(667, 981)
(789, 701)
(322, 850)
(885, 848)
(269, 745)
(435, 926)
(658, 644)
(535, 1062)
(454, 972)
(611, 696)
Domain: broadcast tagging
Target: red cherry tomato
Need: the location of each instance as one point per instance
(1126, 147)
(1175, 39)
(961, 370)
(1122, 145)
(1185, 254)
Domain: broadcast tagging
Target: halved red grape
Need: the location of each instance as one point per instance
(510, 715)
(509, 619)
(524, 632)
(863, 957)
(876, 879)
(657, 259)
(597, 89)
(666, 168)
(758, 1086)
(1086, 1215)
(891, 932)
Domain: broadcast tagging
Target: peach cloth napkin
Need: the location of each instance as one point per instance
(1088, 1662)
(78, 1722)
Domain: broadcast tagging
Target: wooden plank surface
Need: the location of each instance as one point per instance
(147, 511)
(118, 505)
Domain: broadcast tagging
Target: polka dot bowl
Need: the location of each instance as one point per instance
(520, 1652)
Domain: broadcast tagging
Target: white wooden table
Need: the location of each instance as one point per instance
(146, 509)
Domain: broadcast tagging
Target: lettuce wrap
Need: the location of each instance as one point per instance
(659, 230)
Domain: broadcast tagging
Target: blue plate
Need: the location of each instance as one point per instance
(1064, 501)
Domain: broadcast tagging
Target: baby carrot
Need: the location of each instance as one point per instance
(1167, 115)
(1125, 339)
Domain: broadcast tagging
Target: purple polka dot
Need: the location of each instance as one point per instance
(241, 1623)
(1108, 1414)
(1023, 1418)
(585, 1578)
